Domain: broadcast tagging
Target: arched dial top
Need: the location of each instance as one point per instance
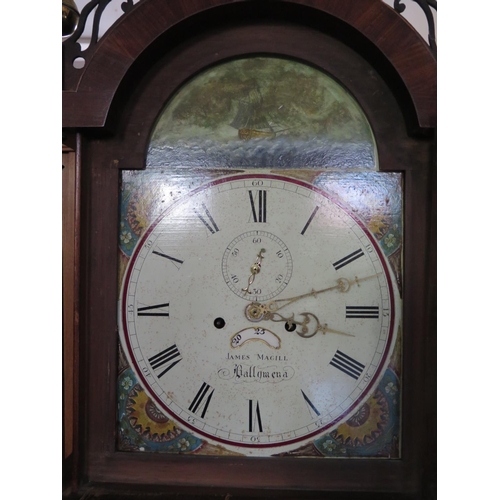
(258, 332)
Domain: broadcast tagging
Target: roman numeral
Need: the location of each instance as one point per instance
(348, 365)
(362, 312)
(308, 401)
(141, 311)
(254, 417)
(200, 397)
(259, 212)
(211, 226)
(348, 259)
(173, 259)
(165, 360)
(309, 221)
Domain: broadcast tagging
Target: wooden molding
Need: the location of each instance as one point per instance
(150, 21)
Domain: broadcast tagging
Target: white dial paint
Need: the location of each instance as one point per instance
(302, 366)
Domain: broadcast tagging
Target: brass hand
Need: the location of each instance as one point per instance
(256, 312)
(292, 323)
(343, 285)
(254, 269)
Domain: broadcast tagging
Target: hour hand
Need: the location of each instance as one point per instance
(307, 328)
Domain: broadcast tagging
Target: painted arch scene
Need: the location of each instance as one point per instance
(262, 112)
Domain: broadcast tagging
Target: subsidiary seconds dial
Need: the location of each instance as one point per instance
(258, 313)
(265, 257)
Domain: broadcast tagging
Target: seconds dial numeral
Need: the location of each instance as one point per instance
(202, 395)
(258, 202)
(348, 365)
(165, 360)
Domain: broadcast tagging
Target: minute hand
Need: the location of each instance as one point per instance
(343, 285)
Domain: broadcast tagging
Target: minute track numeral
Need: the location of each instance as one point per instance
(348, 365)
(210, 224)
(165, 360)
(150, 310)
(361, 312)
(258, 202)
(202, 396)
(348, 259)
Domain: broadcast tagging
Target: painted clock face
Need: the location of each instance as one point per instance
(258, 313)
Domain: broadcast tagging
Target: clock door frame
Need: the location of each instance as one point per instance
(111, 107)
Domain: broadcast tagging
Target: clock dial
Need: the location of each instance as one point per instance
(258, 313)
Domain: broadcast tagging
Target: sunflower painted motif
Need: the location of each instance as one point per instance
(373, 430)
(145, 428)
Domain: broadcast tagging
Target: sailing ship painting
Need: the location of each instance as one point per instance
(262, 112)
(251, 121)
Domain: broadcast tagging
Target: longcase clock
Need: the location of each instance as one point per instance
(255, 251)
